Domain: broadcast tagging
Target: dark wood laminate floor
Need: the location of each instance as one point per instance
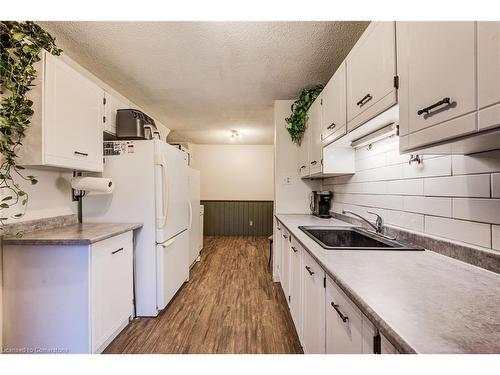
(229, 305)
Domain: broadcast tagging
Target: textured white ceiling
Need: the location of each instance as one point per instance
(202, 79)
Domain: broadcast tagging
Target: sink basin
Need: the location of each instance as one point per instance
(353, 238)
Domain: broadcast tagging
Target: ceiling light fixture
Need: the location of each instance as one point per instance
(234, 135)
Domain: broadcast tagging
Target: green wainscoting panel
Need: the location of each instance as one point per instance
(238, 218)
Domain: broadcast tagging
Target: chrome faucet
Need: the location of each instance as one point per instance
(378, 221)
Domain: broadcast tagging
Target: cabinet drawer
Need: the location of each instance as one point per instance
(344, 323)
(111, 287)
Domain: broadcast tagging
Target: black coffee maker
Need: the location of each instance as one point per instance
(321, 203)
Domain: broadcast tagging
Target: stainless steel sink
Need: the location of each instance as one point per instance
(353, 238)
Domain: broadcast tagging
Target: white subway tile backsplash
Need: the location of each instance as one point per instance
(458, 186)
(495, 185)
(375, 161)
(495, 237)
(486, 162)
(438, 166)
(476, 209)
(447, 196)
(405, 220)
(405, 187)
(459, 230)
(428, 205)
(378, 187)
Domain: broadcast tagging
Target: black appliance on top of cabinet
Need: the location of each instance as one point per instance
(321, 203)
(134, 124)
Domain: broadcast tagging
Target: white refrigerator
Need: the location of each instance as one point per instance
(152, 188)
(194, 232)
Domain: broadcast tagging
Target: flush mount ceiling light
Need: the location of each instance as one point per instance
(234, 135)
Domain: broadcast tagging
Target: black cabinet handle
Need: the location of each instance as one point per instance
(309, 270)
(285, 236)
(294, 249)
(314, 162)
(431, 107)
(331, 126)
(365, 100)
(117, 251)
(302, 167)
(81, 153)
(342, 316)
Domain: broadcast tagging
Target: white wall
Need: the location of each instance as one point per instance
(234, 172)
(453, 197)
(290, 198)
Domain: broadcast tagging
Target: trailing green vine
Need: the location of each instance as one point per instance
(21, 44)
(297, 122)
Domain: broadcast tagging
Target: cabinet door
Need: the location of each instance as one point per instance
(277, 249)
(304, 147)
(371, 67)
(313, 306)
(111, 106)
(333, 105)
(285, 263)
(316, 145)
(296, 275)
(488, 74)
(72, 118)
(112, 288)
(344, 323)
(436, 67)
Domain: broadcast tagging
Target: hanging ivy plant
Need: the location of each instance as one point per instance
(21, 44)
(297, 122)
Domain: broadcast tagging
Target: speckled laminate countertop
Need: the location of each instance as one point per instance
(74, 234)
(423, 302)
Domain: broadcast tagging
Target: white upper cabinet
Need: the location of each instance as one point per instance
(304, 147)
(488, 74)
(314, 123)
(437, 87)
(371, 68)
(111, 105)
(333, 105)
(66, 129)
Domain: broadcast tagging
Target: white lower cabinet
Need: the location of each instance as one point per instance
(67, 298)
(296, 277)
(344, 323)
(112, 296)
(277, 251)
(313, 336)
(285, 263)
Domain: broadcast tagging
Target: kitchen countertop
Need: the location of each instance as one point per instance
(74, 234)
(423, 302)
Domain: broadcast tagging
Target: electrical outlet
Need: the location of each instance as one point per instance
(287, 180)
(251, 223)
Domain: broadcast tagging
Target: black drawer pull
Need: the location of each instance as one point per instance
(285, 236)
(365, 100)
(302, 167)
(294, 249)
(314, 162)
(342, 316)
(331, 126)
(426, 110)
(81, 153)
(117, 251)
(309, 270)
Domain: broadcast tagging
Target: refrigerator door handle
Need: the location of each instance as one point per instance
(190, 214)
(161, 221)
